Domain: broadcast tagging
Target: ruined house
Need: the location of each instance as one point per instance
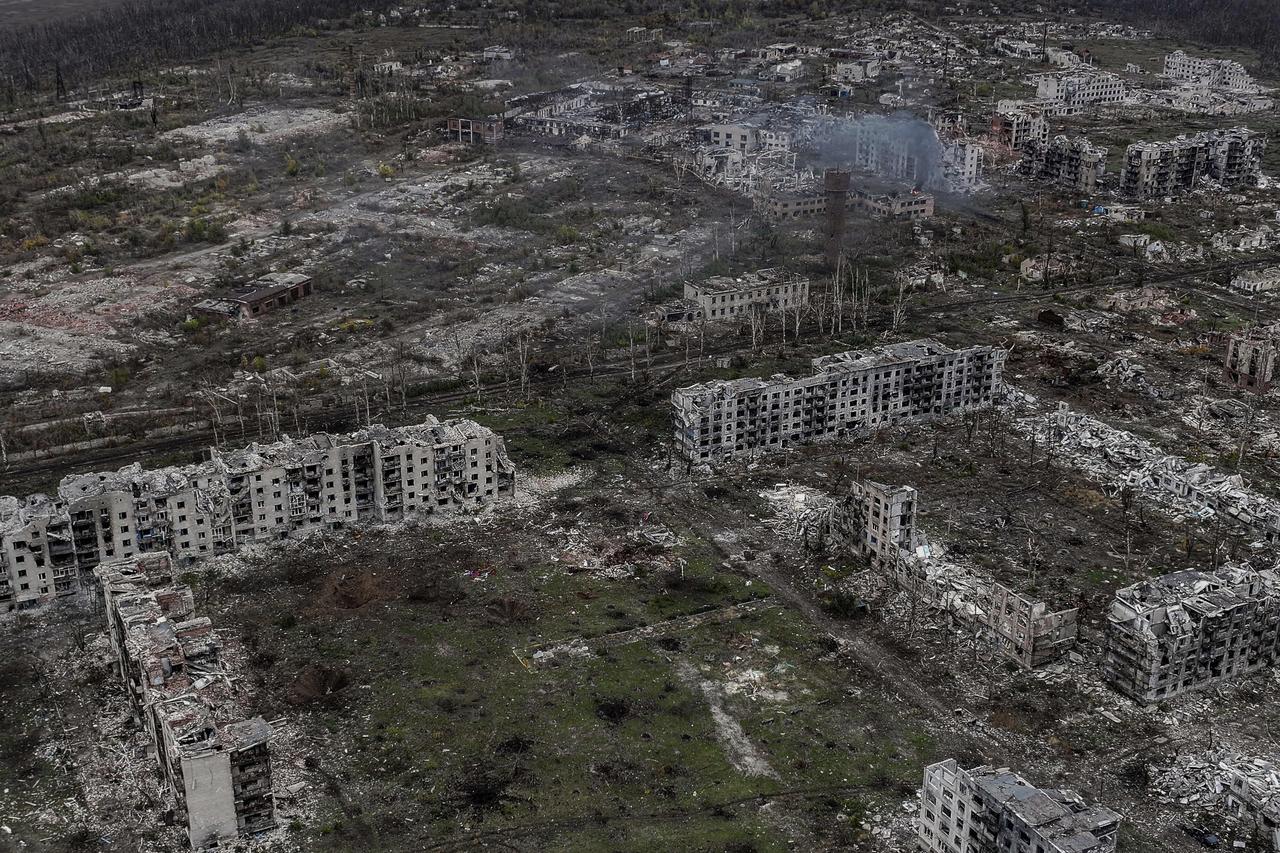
(726, 297)
(216, 765)
(1257, 281)
(264, 493)
(987, 809)
(1191, 629)
(848, 394)
(1072, 163)
(472, 131)
(1250, 363)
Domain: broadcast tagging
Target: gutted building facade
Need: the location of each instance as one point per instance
(264, 493)
(1191, 629)
(1071, 163)
(1250, 363)
(1155, 169)
(1077, 89)
(1224, 74)
(848, 394)
(216, 764)
(989, 810)
(877, 522)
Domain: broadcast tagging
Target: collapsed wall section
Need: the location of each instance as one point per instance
(877, 522)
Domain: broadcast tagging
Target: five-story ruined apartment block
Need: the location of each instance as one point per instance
(986, 810)
(849, 393)
(264, 493)
(215, 763)
(1190, 629)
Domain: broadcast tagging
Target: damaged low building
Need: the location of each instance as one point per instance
(264, 493)
(988, 809)
(217, 766)
(1191, 629)
(1257, 281)
(848, 394)
(260, 296)
(726, 297)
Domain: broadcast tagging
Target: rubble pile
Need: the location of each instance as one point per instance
(1244, 790)
(1120, 460)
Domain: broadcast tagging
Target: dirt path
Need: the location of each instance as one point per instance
(741, 752)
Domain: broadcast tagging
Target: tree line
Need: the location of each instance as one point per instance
(145, 35)
(1244, 23)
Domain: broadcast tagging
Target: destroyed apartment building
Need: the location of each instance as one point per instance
(1223, 74)
(1016, 124)
(1071, 163)
(877, 522)
(989, 809)
(1077, 89)
(215, 764)
(264, 493)
(1156, 169)
(1120, 460)
(1191, 629)
(593, 109)
(848, 394)
(727, 297)
(879, 200)
(1242, 790)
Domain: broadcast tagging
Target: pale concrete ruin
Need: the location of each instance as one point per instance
(987, 809)
(848, 394)
(218, 769)
(1121, 460)
(1223, 74)
(1191, 629)
(264, 493)
(1241, 789)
